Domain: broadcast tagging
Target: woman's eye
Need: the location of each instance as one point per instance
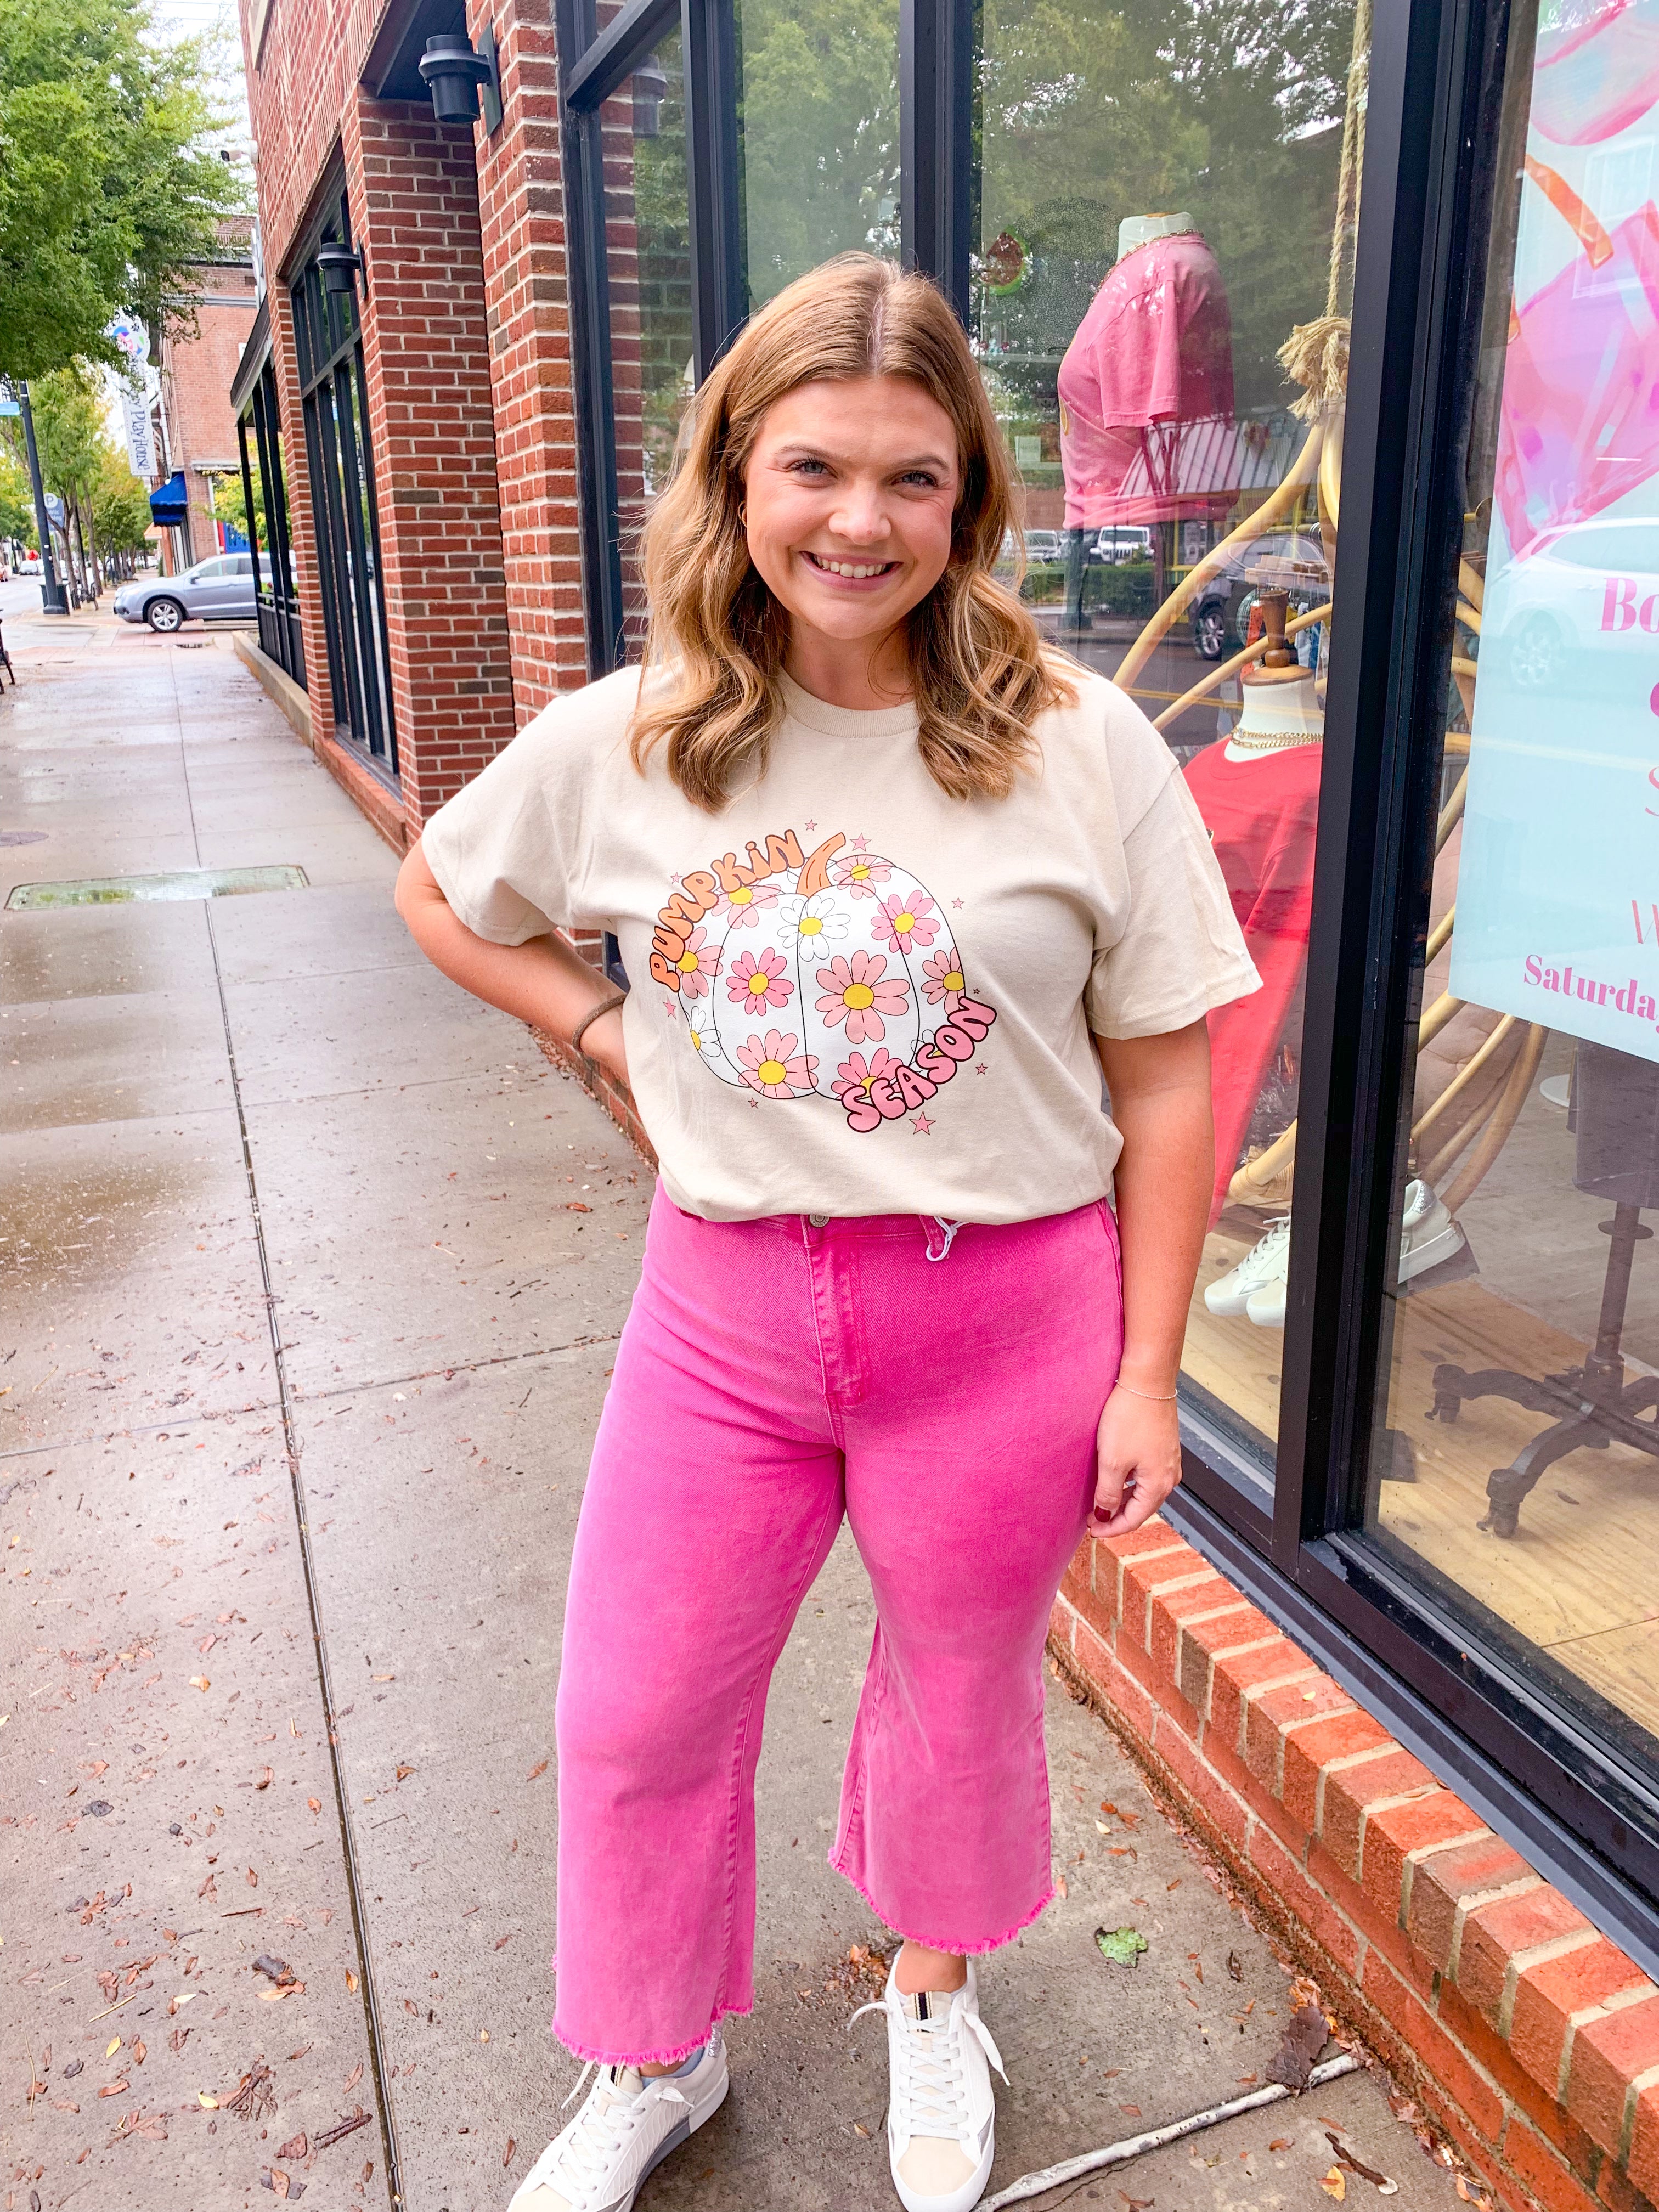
(924, 478)
(806, 468)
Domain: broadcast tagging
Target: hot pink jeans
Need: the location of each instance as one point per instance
(772, 1376)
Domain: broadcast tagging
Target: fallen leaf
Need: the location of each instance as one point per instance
(403, 1773)
(1334, 2185)
(1303, 2040)
(274, 1970)
(115, 2089)
(113, 2046)
(266, 1778)
(536, 1771)
(252, 1879)
(200, 1682)
(295, 2148)
(507, 2156)
(1060, 1889)
(858, 2129)
(207, 2100)
(353, 2077)
(351, 1982)
(1380, 2182)
(138, 2053)
(315, 1803)
(1120, 1946)
(1134, 2111)
(576, 1205)
(1282, 2142)
(176, 2040)
(1235, 1966)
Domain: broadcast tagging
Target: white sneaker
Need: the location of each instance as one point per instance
(1265, 1262)
(623, 2132)
(941, 2115)
(1428, 1238)
(1428, 1235)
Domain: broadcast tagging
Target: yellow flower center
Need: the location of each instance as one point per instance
(953, 981)
(743, 896)
(772, 1071)
(857, 994)
(811, 926)
(758, 984)
(904, 923)
(695, 1039)
(687, 963)
(859, 873)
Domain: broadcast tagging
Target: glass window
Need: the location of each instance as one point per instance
(647, 231)
(1161, 283)
(820, 135)
(1515, 1471)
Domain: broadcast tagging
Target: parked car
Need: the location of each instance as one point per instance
(1582, 584)
(1123, 541)
(220, 589)
(29, 565)
(1292, 561)
(1043, 548)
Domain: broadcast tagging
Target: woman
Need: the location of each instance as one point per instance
(882, 867)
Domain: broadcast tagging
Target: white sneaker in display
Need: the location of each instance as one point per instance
(623, 2132)
(941, 2115)
(1265, 1262)
(1428, 1235)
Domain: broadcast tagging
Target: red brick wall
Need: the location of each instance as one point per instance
(311, 56)
(413, 193)
(196, 379)
(1532, 2040)
(521, 203)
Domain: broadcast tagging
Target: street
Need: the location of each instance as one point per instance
(316, 1266)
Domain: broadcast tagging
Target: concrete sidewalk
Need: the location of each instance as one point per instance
(314, 1272)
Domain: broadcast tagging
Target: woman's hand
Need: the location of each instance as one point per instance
(1137, 1458)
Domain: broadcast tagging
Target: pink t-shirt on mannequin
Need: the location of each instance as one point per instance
(1156, 346)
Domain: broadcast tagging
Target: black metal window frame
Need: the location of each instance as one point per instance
(1293, 1537)
(345, 519)
(259, 425)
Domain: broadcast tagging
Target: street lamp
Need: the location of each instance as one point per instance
(54, 599)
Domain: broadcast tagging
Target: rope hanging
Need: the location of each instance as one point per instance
(1316, 355)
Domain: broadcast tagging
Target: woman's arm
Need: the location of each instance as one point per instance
(1160, 1090)
(545, 982)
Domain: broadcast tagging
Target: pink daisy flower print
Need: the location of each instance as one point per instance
(745, 903)
(696, 964)
(856, 1073)
(902, 922)
(757, 980)
(859, 873)
(775, 1066)
(858, 991)
(942, 977)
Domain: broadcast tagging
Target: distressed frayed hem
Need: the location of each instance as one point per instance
(954, 1944)
(668, 2055)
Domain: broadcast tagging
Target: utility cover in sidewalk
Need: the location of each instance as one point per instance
(177, 884)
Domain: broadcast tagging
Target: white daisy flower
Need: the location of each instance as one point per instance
(812, 922)
(702, 1029)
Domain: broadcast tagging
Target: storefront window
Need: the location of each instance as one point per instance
(260, 435)
(649, 284)
(1164, 269)
(820, 124)
(1516, 1472)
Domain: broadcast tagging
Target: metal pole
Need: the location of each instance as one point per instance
(54, 599)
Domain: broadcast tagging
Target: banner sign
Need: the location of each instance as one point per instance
(141, 434)
(1557, 883)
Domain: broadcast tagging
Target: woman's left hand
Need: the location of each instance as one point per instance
(1137, 1460)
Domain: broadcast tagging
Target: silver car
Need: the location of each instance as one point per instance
(220, 589)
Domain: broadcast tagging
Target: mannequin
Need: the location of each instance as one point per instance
(1154, 349)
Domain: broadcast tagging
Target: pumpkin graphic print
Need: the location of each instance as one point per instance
(830, 974)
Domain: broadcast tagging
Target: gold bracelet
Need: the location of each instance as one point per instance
(1153, 1397)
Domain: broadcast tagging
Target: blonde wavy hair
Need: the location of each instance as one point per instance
(715, 650)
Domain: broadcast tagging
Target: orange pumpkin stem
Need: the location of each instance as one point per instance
(814, 871)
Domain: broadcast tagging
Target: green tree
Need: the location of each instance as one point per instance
(119, 505)
(107, 194)
(16, 504)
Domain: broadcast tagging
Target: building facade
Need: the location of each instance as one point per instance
(196, 421)
(1325, 359)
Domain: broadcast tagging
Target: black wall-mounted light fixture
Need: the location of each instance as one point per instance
(455, 75)
(339, 266)
(650, 90)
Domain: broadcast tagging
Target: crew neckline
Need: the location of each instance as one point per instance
(847, 721)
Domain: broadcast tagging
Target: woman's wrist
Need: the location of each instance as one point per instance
(1149, 1376)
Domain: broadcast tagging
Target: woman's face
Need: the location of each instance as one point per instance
(850, 491)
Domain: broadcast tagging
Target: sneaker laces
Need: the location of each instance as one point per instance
(599, 2130)
(1263, 1256)
(934, 2086)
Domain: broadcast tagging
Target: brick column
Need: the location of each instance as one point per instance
(521, 203)
(415, 209)
(302, 536)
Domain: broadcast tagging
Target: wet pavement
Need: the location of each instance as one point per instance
(312, 1272)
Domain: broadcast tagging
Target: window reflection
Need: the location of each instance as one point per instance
(1515, 1473)
(1168, 208)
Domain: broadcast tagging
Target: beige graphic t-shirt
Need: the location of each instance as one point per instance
(852, 994)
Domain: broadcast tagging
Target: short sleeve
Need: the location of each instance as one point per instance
(496, 851)
(1180, 951)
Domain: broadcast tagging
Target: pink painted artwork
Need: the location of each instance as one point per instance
(1597, 70)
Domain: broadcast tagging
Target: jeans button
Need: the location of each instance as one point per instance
(818, 1220)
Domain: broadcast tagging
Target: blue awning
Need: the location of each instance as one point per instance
(168, 505)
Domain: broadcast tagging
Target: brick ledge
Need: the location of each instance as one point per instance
(1532, 2040)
